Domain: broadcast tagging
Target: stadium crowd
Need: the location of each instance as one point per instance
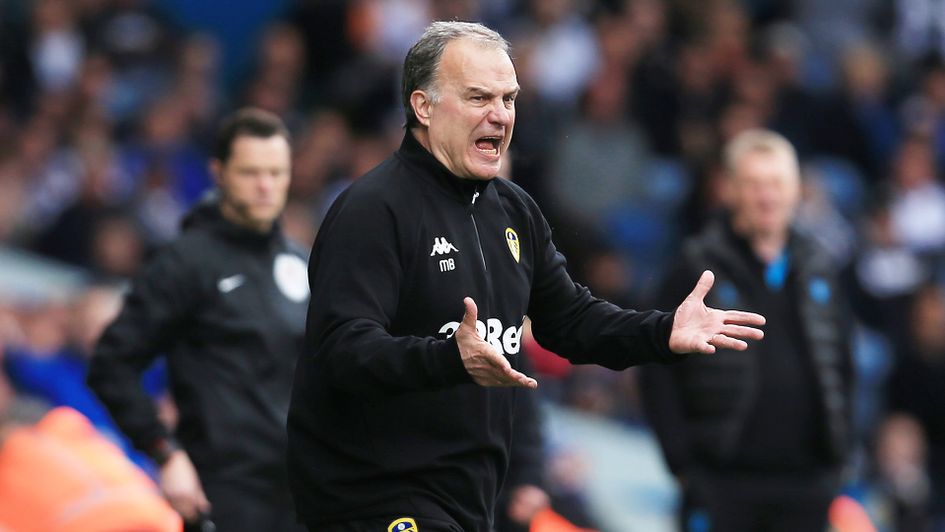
(107, 109)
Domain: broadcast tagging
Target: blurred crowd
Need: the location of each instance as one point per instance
(107, 108)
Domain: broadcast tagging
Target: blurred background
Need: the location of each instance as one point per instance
(107, 108)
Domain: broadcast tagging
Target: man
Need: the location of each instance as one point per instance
(756, 439)
(402, 406)
(225, 302)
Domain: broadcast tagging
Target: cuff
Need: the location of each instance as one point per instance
(448, 364)
(161, 449)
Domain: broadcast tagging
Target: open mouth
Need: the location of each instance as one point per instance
(489, 145)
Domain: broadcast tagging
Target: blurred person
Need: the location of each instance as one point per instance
(57, 47)
(885, 274)
(918, 204)
(901, 462)
(756, 440)
(600, 159)
(51, 364)
(922, 113)
(169, 165)
(58, 473)
(564, 51)
(402, 407)
(915, 392)
(225, 304)
(859, 123)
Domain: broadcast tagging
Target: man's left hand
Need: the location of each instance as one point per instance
(700, 329)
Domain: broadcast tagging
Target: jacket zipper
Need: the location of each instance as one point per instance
(472, 217)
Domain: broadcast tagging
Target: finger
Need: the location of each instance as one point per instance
(740, 331)
(472, 313)
(203, 505)
(724, 342)
(185, 508)
(703, 286)
(517, 378)
(507, 375)
(739, 317)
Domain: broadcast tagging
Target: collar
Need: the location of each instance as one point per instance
(414, 154)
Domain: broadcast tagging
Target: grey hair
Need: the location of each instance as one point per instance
(423, 59)
(759, 140)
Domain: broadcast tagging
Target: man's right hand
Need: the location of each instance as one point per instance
(181, 486)
(484, 364)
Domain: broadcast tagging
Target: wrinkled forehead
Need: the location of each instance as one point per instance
(468, 63)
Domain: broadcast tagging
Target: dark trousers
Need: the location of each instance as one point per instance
(237, 508)
(736, 502)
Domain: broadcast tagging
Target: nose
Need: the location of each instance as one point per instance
(500, 115)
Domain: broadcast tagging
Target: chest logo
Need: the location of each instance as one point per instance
(511, 238)
(291, 277)
(441, 246)
(228, 284)
(403, 524)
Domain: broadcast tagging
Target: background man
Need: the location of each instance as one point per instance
(225, 302)
(401, 413)
(756, 439)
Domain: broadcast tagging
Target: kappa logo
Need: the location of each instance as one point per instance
(403, 524)
(442, 247)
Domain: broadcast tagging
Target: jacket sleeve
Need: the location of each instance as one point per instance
(569, 321)
(152, 318)
(356, 273)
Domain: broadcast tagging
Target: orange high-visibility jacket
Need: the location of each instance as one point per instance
(62, 475)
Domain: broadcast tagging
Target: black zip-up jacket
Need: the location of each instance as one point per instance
(226, 305)
(701, 410)
(385, 420)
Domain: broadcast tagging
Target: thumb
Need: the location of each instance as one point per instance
(703, 286)
(472, 313)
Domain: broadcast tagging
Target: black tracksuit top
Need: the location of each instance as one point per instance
(227, 307)
(384, 419)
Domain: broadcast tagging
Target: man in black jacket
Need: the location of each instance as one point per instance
(226, 304)
(756, 439)
(401, 414)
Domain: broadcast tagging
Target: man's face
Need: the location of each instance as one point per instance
(765, 190)
(254, 181)
(471, 125)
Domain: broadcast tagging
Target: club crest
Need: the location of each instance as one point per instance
(403, 524)
(511, 238)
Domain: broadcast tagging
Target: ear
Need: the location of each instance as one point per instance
(422, 106)
(216, 171)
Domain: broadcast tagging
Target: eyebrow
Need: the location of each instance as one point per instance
(485, 91)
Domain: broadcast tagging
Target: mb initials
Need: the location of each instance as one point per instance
(447, 265)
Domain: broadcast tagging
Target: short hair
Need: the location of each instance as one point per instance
(759, 140)
(246, 122)
(423, 60)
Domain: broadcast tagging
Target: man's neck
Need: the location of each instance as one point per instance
(230, 214)
(767, 246)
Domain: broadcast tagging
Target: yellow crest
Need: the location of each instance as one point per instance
(511, 238)
(403, 524)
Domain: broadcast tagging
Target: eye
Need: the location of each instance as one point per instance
(477, 98)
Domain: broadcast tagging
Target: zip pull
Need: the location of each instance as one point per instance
(475, 195)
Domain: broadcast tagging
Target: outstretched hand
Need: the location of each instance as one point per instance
(485, 365)
(700, 329)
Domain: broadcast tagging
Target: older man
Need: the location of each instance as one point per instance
(756, 438)
(401, 415)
